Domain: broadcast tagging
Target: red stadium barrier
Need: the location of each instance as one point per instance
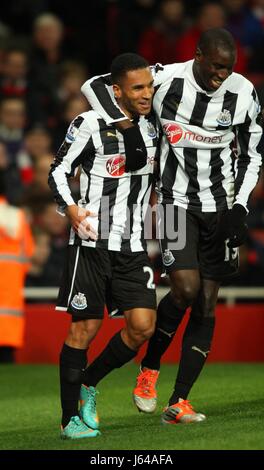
(239, 335)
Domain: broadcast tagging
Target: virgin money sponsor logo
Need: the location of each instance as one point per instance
(175, 133)
(116, 165)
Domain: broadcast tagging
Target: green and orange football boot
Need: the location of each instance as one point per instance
(88, 411)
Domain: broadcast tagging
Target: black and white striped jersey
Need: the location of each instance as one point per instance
(118, 199)
(203, 134)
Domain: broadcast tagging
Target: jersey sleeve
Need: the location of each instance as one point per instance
(99, 92)
(249, 158)
(162, 73)
(67, 159)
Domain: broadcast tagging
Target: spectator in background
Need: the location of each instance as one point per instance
(5, 34)
(12, 126)
(159, 42)
(37, 274)
(85, 36)
(210, 15)
(36, 197)
(243, 23)
(71, 100)
(46, 220)
(245, 27)
(3, 156)
(41, 170)
(45, 61)
(38, 186)
(37, 142)
(72, 76)
(72, 107)
(13, 81)
(132, 18)
(19, 15)
(257, 8)
(49, 228)
(16, 249)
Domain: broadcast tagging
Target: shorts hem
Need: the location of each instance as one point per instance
(219, 277)
(179, 267)
(86, 315)
(133, 306)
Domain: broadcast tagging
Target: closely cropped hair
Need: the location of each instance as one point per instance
(216, 37)
(45, 19)
(124, 63)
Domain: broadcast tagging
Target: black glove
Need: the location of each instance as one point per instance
(232, 226)
(135, 150)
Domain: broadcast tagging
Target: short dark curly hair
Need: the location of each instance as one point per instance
(216, 37)
(124, 63)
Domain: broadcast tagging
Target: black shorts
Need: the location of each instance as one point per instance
(214, 260)
(93, 278)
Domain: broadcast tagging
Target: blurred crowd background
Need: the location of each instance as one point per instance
(49, 48)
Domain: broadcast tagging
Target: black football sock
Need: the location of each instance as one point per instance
(115, 355)
(195, 348)
(168, 319)
(72, 363)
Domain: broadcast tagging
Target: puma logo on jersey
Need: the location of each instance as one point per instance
(111, 134)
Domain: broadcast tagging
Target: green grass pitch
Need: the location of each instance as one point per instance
(231, 396)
